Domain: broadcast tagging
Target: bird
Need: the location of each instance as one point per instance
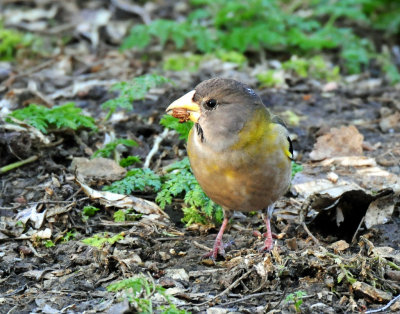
(239, 152)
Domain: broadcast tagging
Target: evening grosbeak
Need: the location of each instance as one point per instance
(239, 152)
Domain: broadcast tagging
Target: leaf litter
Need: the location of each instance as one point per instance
(348, 196)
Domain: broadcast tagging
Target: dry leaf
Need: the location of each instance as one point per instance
(369, 291)
(109, 199)
(97, 169)
(390, 122)
(345, 141)
(339, 246)
(379, 211)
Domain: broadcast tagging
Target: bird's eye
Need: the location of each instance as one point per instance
(211, 103)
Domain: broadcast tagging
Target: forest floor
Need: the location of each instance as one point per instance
(351, 265)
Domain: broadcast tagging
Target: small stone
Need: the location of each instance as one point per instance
(333, 177)
(165, 256)
(167, 282)
(216, 310)
(395, 307)
(177, 274)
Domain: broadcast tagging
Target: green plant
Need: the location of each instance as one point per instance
(128, 161)
(66, 116)
(315, 67)
(191, 61)
(344, 273)
(193, 215)
(254, 25)
(49, 243)
(89, 211)
(110, 147)
(136, 89)
(231, 56)
(291, 117)
(139, 292)
(12, 40)
(270, 78)
(296, 168)
(182, 128)
(98, 240)
(391, 70)
(297, 299)
(70, 235)
(188, 62)
(126, 215)
(179, 179)
(136, 179)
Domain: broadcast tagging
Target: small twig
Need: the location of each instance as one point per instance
(16, 291)
(384, 307)
(281, 298)
(18, 164)
(155, 147)
(29, 72)
(169, 239)
(358, 229)
(34, 250)
(233, 285)
(254, 295)
(49, 202)
(201, 246)
(56, 143)
(303, 224)
(75, 194)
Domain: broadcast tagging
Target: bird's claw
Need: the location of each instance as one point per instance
(258, 234)
(218, 249)
(214, 253)
(268, 246)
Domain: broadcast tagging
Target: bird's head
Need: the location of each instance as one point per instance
(220, 108)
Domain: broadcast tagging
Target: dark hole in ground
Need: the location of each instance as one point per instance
(351, 207)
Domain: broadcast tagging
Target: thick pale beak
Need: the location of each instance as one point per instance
(186, 102)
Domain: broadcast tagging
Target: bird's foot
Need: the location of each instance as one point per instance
(218, 249)
(258, 234)
(268, 244)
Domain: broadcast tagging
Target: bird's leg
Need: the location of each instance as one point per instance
(268, 245)
(219, 247)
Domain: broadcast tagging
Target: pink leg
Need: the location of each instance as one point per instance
(218, 244)
(268, 244)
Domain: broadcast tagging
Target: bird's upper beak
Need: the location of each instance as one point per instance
(186, 102)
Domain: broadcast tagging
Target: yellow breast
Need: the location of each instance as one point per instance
(251, 174)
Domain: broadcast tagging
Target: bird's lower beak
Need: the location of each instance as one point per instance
(187, 105)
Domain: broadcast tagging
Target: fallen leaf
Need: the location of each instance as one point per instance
(345, 141)
(109, 199)
(369, 291)
(391, 122)
(97, 169)
(339, 246)
(31, 214)
(379, 211)
(387, 252)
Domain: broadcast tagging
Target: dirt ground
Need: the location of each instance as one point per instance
(348, 267)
